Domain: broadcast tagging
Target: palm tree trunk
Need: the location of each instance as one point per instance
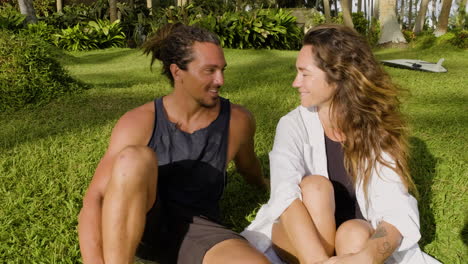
(366, 2)
(113, 10)
(59, 6)
(402, 12)
(442, 24)
(434, 18)
(389, 27)
(377, 8)
(410, 13)
(336, 7)
(419, 24)
(345, 7)
(27, 8)
(326, 7)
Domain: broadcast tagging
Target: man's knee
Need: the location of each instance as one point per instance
(314, 185)
(135, 165)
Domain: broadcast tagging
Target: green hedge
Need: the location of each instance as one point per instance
(255, 29)
(29, 75)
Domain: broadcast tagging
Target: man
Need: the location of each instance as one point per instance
(155, 192)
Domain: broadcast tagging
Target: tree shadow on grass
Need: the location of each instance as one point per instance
(96, 57)
(67, 115)
(422, 167)
(464, 233)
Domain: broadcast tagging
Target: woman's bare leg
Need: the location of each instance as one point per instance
(352, 236)
(297, 237)
(319, 199)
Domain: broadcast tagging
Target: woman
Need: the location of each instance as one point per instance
(339, 174)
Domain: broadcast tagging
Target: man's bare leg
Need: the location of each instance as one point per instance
(234, 251)
(130, 193)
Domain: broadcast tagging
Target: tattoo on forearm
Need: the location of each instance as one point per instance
(384, 248)
(380, 232)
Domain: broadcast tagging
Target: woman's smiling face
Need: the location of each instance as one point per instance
(311, 81)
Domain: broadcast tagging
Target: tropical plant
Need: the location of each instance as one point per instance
(105, 34)
(97, 34)
(41, 30)
(260, 28)
(74, 38)
(10, 18)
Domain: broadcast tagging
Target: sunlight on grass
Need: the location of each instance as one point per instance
(48, 154)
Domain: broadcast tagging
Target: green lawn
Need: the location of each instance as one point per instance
(48, 154)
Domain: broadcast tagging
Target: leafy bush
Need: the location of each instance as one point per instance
(424, 41)
(361, 24)
(105, 33)
(373, 34)
(74, 39)
(370, 30)
(44, 7)
(11, 19)
(41, 30)
(28, 73)
(460, 39)
(74, 14)
(257, 29)
(409, 35)
(98, 34)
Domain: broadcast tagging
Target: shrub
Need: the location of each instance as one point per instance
(106, 34)
(361, 24)
(424, 41)
(28, 73)
(97, 34)
(40, 30)
(257, 29)
(409, 35)
(11, 19)
(460, 39)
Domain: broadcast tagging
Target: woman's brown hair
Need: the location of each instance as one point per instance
(365, 106)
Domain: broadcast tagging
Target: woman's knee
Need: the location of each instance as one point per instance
(316, 186)
(352, 236)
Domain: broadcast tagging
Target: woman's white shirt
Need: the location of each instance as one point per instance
(299, 150)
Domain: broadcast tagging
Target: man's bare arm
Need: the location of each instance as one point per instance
(245, 159)
(132, 129)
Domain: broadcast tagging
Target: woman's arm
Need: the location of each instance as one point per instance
(382, 243)
(378, 248)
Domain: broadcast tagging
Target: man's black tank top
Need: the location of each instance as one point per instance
(191, 167)
(346, 206)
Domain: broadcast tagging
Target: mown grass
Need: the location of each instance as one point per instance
(48, 154)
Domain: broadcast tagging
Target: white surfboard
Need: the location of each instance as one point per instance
(417, 65)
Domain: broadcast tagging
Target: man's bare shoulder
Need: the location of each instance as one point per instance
(242, 120)
(240, 114)
(135, 126)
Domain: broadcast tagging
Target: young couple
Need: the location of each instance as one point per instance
(339, 177)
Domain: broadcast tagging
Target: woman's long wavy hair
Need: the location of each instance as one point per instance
(365, 106)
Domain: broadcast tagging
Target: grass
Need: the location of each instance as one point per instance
(48, 154)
